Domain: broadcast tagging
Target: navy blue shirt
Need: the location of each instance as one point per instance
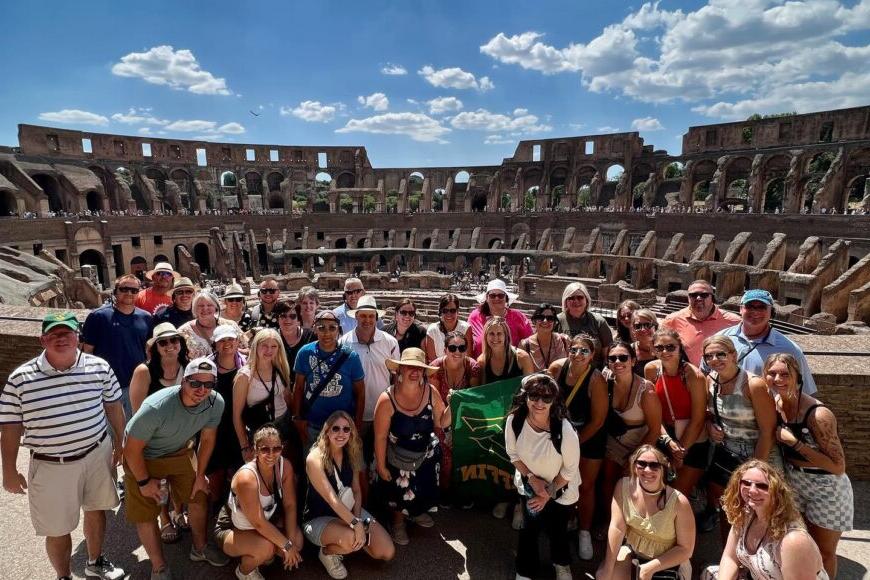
(118, 338)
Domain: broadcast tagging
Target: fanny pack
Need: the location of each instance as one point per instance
(407, 460)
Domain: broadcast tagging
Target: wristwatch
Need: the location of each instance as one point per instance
(354, 522)
(288, 544)
(143, 482)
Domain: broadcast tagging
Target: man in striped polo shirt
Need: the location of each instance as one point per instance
(63, 402)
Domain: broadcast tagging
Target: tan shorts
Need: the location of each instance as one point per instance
(178, 469)
(57, 492)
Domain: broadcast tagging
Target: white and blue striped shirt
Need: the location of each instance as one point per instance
(62, 411)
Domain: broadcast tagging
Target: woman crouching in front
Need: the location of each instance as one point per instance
(655, 520)
(259, 519)
(543, 446)
(334, 518)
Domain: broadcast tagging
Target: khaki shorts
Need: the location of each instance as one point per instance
(178, 469)
(57, 492)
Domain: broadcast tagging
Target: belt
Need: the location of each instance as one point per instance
(68, 458)
(810, 470)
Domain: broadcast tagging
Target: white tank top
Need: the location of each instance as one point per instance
(267, 502)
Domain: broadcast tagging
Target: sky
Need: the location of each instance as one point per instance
(422, 82)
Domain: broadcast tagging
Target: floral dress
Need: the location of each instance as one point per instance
(413, 492)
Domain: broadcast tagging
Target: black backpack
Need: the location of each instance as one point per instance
(519, 421)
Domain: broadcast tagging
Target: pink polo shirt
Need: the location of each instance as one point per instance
(517, 322)
(693, 332)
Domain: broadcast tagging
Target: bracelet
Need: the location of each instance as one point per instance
(143, 482)
(354, 522)
(288, 544)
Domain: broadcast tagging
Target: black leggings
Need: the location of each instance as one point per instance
(553, 520)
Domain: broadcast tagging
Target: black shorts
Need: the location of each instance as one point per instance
(594, 447)
(698, 455)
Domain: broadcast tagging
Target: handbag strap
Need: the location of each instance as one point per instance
(716, 401)
(663, 377)
(312, 395)
(577, 384)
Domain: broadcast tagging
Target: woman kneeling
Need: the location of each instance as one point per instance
(258, 521)
(334, 518)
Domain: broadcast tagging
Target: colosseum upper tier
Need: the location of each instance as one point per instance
(777, 202)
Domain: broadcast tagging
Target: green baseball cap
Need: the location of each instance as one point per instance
(67, 319)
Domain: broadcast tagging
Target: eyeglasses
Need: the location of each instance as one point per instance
(759, 485)
(272, 449)
(718, 355)
(193, 384)
(354, 291)
(268, 290)
(340, 429)
(699, 295)
(618, 358)
(327, 327)
(289, 316)
(234, 299)
(127, 289)
(449, 310)
(643, 326)
(457, 347)
(652, 465)
(544, 318)
(546, 399)
(407, 313)
(665, 348)
(756, 306)
(167, 341)
(183, 292)
(579, 350)
(497, 296)
(577, 298)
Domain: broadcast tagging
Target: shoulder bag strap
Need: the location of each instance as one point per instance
(312, 395)
(577, 384)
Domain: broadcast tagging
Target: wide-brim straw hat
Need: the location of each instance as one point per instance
(163, 267)
(496, 284)
(411, 357)
(161, 331)
(234, 290)
(183, 282)
(367, 302)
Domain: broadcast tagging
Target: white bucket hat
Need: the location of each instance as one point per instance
(499, 285)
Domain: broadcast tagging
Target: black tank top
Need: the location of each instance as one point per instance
(801, 431)
(580, 409)
(412, 432)
(513, 371)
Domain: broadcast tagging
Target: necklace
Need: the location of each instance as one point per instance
(453, 385)
(172, 376)
(222, 367)
(647, 492)
(549, 352)
(266, 483)
(409, 410)
(535, 425)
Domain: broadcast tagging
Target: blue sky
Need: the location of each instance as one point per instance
(469, 79)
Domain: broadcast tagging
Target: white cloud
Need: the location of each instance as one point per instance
(455, 78)
(311, 111)
(231, 128)
(74, 117)
(375, 101)
(441, 105)
(163, 65)
(497, 140)
(394, 70)
(577, 126)
(138, 116)
(728, 57)
(521, 121)
(608, 129)
(647, 124)
(144, 130)
(418, 126)
(192, 126)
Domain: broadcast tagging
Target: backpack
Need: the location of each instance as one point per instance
(519, 421)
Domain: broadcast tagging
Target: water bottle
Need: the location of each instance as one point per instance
(163, 486)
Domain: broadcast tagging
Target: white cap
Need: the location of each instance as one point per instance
(224, 331)
(200, 365)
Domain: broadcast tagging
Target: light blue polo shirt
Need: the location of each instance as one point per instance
(774, 342)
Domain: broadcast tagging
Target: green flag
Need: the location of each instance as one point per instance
(481, 468)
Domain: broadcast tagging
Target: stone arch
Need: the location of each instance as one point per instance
(182, 179)
(139, 199)
(345, 180)
(612, 174)
(159, 177)
(228, 179)
(94, 200)
(95, 258)
(273, 180)
(361, 243)
(639, 174)
(345, 203)
(492, 243)
(855, 191)
(57, 202)
(253, 183)
(558, 181)
(109, 187)
(438, 199)
(460, 181)
(323, 177)
(340, 243)
(276, 201)
(774, 194)
(426, 243)
(202, 256)
(478, 199)
(8, 203)
(857, 171)
(673, 170)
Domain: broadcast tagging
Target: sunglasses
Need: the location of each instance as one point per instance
(544, 318)
(718, 355)
(340, 429)
(168, 341)
(193, 384)
(127, 289)
(759, 485)
(497, 296)
(327, 327)
(268, 290)
(575, 298)
(653, 465)
(699, 295)
(756, 306)
(183, 292)
(457, 347)
(643, 326)
(407, 313)
(354, 291)
(161, 274)
(234, 299)
(289, 316)
(665, 348)
(546, 399)
(579, 350)
(272, 449)
(449, 310)
(618, 358)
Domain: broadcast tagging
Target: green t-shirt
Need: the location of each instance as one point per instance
(166, 425)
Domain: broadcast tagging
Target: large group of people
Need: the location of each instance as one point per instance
(294, 424)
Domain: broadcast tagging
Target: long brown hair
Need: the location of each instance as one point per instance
(783, 513)
(353, 449)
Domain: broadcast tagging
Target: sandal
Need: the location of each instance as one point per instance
(169, 534)
(180, 520)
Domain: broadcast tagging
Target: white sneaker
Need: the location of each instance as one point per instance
(519, 520)
(333, 565)
(585, 545)
(521, 577)
(563, 572)
(499, 511)
(252, 575)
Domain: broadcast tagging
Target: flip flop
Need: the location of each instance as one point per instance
(169, 534)
(180, 520)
